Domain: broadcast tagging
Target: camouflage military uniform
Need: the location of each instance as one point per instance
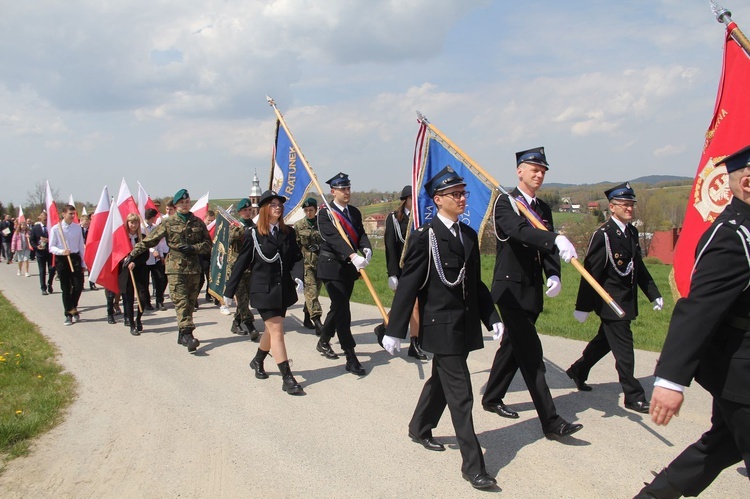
(243, 315)
(308, 239)
(184, 269)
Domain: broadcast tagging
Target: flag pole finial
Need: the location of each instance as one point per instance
(722, 15)
(421, 118)
(270, 101)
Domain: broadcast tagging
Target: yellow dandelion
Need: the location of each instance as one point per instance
(18, 355)
(39, 376)
(19, 412)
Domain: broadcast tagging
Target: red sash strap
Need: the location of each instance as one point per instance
(348, 228)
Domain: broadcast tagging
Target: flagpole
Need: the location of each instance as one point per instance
(340, 229)
(135, 291)
(725, 16)
(536, 223)
(65, 245)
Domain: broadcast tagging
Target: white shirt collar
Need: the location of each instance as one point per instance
(341, 208)
(447, 221)
(620, 224)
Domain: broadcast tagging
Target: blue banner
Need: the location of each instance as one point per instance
(290, 177)
(479, 203)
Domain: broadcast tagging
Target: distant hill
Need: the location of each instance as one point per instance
(648, 179)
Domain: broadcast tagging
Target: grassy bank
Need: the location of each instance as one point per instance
(34, 390)
(649, 330)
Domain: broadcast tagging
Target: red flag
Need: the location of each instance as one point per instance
(144, 203)
(200, 208)
(125, 202)
(728, 133)
(21, 217)
(53, 217)
(212, 229)
(96, 228)
(73, 204)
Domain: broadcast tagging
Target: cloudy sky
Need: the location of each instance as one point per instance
(172, 93)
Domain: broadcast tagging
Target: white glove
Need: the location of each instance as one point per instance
(567, 250)
(359, 262)
(391, 344)
(498, 329)
(228, 301)
(368, 254)
(659, 304)
(300, 285)
(580, 316)
(393, 282)
(553, 286)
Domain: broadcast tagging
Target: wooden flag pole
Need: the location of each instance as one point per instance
(536, 223)
(336, 223)
(65, 245)
(135, 291)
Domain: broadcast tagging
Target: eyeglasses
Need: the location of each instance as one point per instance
(625, 205)
(457, 195)
(274, 205)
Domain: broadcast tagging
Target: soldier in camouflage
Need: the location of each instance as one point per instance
(308, 239)
(243, 317)
(187, 237)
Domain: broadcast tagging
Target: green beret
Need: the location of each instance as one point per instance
(244, 203)
(180, 195)
(310, 202)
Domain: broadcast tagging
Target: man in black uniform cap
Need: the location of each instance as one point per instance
(339, 266)
(443, 269)
(709, 341)
(614, 260)
(523, 254)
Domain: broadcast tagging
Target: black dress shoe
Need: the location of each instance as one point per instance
(501, 410)
(326, 350)
(415, 351)
(480, 480)
(428, 443)
(580, 384)
(149, 306)
(562, 430)
(44, 292)
(126, 322)
(134, 331)
(111, 319)
(641, 406)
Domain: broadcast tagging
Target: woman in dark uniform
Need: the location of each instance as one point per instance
(272, 253)
(125, 282)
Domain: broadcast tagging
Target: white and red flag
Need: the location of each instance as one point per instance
(96, 228)
(729, 131)
(125, 202)
(21, 217)
(144, 203)
(200, 208)
(103, 271)
(73, 204)
(53, 217)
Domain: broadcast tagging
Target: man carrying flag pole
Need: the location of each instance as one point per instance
(345, 238)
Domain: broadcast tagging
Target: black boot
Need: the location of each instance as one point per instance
(111, 319)
(307, 322)
(134, 331)
(380, 332)
(324, 347)
(352, 363)
(181, 337)
(254, 334)
(289, 384)
(415, 351)
(138, 324)
(257, 364)
(189, 340)
(238, 327)
(318, 326)
(126, 322)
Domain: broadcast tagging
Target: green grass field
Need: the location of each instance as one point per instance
(34, 390)
(649, 330)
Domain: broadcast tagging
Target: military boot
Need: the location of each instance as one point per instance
(307, 322)
(415, 351)
(189, 340)
(238, 327)
(318, 326)
(352, 363)
(289, 384)
(254, 334)
(257, 364)
(324, 347)
(181, 337)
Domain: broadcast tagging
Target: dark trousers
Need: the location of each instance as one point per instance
(111, 300)
(725, 444)
(127, 291)
(521, 349)
(71, 282)
(158, 279)
(617, 337)
(339, 318)
(450, 384)
(44, 262)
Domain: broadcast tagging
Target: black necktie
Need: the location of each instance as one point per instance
(273, 233)
(533, 204)
(455, 228)
(346, 214)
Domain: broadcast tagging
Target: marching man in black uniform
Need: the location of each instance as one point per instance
(709, 341)
(524, 253)
(614, 260)
(443, 270)
(338, 268)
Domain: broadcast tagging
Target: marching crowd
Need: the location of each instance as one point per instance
(441, 302)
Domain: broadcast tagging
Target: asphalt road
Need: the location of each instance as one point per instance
(151, 420)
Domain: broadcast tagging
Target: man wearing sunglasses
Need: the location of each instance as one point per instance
(614, 260)
(525, 255)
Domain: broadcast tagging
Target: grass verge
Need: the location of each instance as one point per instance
(34, 390)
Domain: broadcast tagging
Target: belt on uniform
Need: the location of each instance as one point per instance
(330, 255)
(738, 322)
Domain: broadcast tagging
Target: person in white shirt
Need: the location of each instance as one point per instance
(66, 242)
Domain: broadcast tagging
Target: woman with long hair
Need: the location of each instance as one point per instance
(270, 250)
(136, 266)
(396, 230)
(20, 246)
